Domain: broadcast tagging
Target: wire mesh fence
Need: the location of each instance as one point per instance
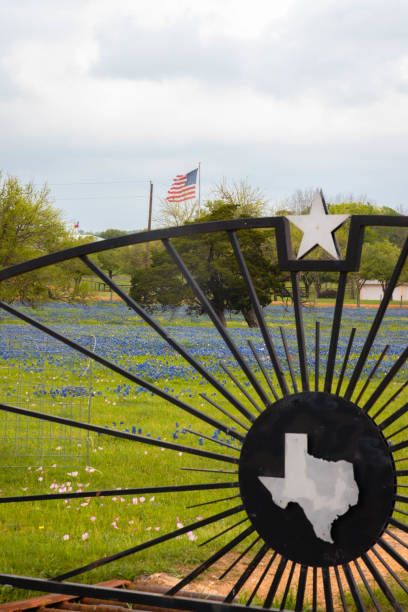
(39, 374)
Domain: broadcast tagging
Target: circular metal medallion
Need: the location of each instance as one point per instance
(317, 479)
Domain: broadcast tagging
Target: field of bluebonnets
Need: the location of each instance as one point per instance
(48, 538)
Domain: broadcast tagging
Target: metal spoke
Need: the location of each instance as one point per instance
(288, 359)
(300, 332)
(400, 511)
(393, 417)
(340, 587)
(220, 442)
(401, 526)
(163, 333)
(367, 586)
(149, 543)
(398, 446)
(288, 583)
(386, 380)
(221, 409)
(392, 398)
(207, 307)
(262, 578)
(238, 559)
(118, 434)
(345, 360)
(275, 582)
(395, 433)
(115, 368)
(247, 573)
(328, 597)
(373, 371)
(392, 535)
(334, 338)
(390, 570)
(381, 583)
(317, 354)
(393, 553)
(240, 387)
(314, 590)
(210, 561)
(218, 535)
(301, 588)
(377, 321)
(262, 368)
(214, 501)
(258, 312)
(190, 469)
(113, 492)
(353, 588)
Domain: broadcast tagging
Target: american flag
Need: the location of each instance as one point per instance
(183, 187)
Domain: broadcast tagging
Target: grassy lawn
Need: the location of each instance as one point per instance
(49, 538)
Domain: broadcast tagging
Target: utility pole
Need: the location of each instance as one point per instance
(149, 226)
(149, 223)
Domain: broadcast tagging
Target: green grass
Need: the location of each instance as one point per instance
(32, 534)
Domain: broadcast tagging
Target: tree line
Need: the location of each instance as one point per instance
(211, 260)
(30, 226)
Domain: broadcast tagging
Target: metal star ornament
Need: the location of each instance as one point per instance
(318, 227)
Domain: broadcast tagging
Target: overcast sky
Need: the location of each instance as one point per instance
(98, 97)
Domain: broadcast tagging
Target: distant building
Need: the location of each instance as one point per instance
(94, 238)
(372, 290)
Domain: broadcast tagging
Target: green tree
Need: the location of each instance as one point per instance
(211, 261)
(174, 214)
(29, 227)
(70, 281)
(376, 239)
(111, 261)
(133, 257)
(378, 261)
(248, 201)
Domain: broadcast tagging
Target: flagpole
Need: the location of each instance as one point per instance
(199, 187)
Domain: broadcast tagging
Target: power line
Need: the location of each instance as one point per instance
(114, 197)
(97, 182)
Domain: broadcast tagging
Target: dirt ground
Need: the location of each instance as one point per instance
(210, 583)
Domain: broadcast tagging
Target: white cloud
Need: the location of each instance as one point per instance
(90, 87)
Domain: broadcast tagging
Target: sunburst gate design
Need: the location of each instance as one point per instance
(278, 424)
